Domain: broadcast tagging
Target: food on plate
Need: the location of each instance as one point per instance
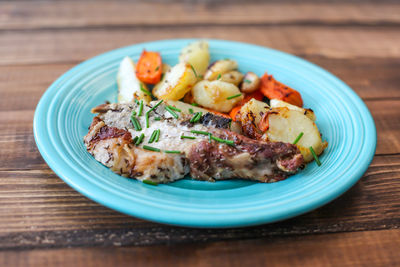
(176, 82)
(166, 148)
(129, 86)
(207, 120)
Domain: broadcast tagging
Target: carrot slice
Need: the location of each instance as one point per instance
(273, 89)
(149, 67)
(235, 112)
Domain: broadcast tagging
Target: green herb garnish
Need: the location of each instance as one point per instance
(167, 108)
(195, 73)
(155, 106)
(174, 108)
(298, 138)
(151, 148)
(135, 139)
(229, 142)
(247, 81)
(136, 101)
(140, 108)
(315, 156)
(158, 67)
(195, 104)
(153, 135)
(172, 151)
(233, 96)
(157, 118)
(196, 117)
(219, 76)
(136, 124)
(149, 182)
(140, 140)
(191, 111)
(187, 137)
(209, 137)
(144, 90)
(157, 136)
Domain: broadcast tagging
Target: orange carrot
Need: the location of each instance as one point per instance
(235, 112)
(149, 67)
(273, 89)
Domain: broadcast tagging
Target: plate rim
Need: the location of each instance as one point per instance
(242, 222)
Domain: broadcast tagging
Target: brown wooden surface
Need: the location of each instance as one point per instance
(40, 216)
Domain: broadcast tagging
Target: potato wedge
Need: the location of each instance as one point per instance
(256, 108)
(176, 82)
(234, 77)
(197, 55)
(128, 84)
(214, 95)
(276, 103)
(251, 83)
(286, 124)
(220, 67)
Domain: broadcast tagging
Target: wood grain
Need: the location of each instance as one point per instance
(74, 45)
(373, 248)
(39, 210)
(84, 14)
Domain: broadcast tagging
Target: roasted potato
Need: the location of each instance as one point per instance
(220, 67)
(234, 77)
(176, 82)
(250, 83)
(256, 108)
(286, 124)
(197, 55)
(129, 86)
(275, 103)
(214, 94)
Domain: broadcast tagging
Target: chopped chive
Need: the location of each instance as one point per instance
(158, 67)
(144, 90)
(209, 137)
(199, 132)
(136, 101)
(147, 120)
(136, 124)
(233, 96)
(247, 81)
(174, 108)
(140, 108)
(172, 151)
(162, 76)
(149, 182)
(152, 148)
(187, 137)
(155, 106)
(191, 111)
(195, 73)
(219, 76)
(195, 104)
(133, 113)
(229, 142)
(298, 138)
(157, 118)
(157, 136)
(196, 117)
(167, 108)
(200, 76)
(135, 139)
(315, 156)
(140, 139)
(153, 135)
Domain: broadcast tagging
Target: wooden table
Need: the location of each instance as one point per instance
(45, 222)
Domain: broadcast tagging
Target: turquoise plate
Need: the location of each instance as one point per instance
(63, 115)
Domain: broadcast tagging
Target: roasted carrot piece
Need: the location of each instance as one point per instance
(149, 67)
(235, 112)
(273, 89)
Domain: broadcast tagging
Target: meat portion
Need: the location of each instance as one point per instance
(110, 141)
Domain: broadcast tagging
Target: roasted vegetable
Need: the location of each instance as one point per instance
(273, 89)
(149, 67)
(129, 86)
(197, 55)
(275, 103)
(254, 107)
(250, 83)
(217, 95)
(220, 67)
(285, 125)
(176, 82)
(234, 77)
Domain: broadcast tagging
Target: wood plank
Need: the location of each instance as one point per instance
(62, 14)
(39, 210)
(74, 45)
(373, 248)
